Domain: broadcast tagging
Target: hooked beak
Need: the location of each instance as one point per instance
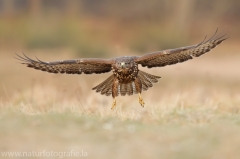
(123, 65)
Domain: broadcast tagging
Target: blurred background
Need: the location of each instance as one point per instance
(194, 103)
(106, 28)
(62, 29)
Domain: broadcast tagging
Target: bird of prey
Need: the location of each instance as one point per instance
(126, 77)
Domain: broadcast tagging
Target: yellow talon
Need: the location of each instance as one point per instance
(141, 100)
(114, 103)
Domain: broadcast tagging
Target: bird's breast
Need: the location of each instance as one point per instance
(126, 75)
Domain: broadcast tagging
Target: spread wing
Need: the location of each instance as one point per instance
(77, 66)
(173, 56)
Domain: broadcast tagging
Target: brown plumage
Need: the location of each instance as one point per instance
(126, 78)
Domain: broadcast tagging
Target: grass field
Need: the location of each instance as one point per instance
(193, 112)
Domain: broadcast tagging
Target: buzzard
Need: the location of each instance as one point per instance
(126, 77)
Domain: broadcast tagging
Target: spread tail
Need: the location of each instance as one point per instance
(147, 80)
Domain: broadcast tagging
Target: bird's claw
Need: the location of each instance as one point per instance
(113, 104)
(141, 100)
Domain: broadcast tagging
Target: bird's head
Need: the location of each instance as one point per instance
(124, 66)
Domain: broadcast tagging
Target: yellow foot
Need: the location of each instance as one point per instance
(114, 103)
(141, 100)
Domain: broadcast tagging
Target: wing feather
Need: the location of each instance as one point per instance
(76, 66)
(173, 56)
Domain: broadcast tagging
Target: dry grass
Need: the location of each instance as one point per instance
(193, 112)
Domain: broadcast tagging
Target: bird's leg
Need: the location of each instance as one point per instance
(114, 103)
(114, 91)
(141, 100)
(138, 86)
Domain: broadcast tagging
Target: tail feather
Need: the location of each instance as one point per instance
(105, 88)
(102, 85)
(130, 89)
(147, 80)
(123, 89)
